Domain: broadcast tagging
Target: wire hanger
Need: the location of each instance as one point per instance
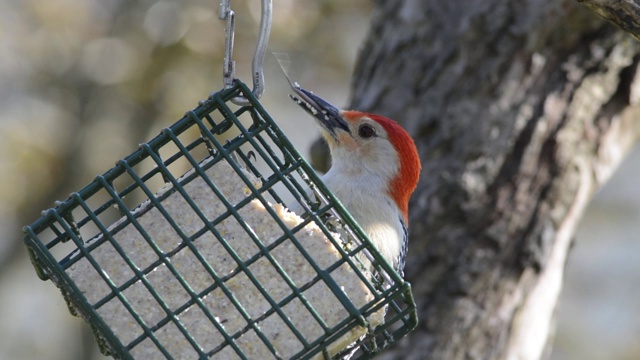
(257, 66)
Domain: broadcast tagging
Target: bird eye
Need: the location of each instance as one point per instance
(366, 131)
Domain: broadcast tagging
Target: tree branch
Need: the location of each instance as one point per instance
(625, 14)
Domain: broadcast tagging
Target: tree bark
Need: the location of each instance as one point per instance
(521, 110)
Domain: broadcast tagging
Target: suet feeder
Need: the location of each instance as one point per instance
(164, 259)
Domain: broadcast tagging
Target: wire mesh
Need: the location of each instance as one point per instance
(139, 254)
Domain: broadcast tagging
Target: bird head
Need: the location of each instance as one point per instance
(370, 150)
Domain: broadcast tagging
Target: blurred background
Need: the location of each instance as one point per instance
(83, 82)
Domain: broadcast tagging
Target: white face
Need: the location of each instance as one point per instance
(360, 146)
(363, 151)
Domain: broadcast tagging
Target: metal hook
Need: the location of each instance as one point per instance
(257, 68)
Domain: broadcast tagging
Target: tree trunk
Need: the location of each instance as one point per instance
(521, 110)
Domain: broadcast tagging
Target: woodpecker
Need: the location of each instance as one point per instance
(374, 170)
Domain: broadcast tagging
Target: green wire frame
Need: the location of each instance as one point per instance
(70, 231)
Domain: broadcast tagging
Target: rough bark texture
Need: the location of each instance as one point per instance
(623, 13)
(521, 109)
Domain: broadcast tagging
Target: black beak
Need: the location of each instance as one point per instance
(326, 114)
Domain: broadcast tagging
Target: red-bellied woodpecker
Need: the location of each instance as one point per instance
(375, 168)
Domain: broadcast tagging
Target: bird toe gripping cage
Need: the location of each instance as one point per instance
(185, 250)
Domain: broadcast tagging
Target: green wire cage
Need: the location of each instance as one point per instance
(163, 262)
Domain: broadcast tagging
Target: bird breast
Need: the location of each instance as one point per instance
(375, 211)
